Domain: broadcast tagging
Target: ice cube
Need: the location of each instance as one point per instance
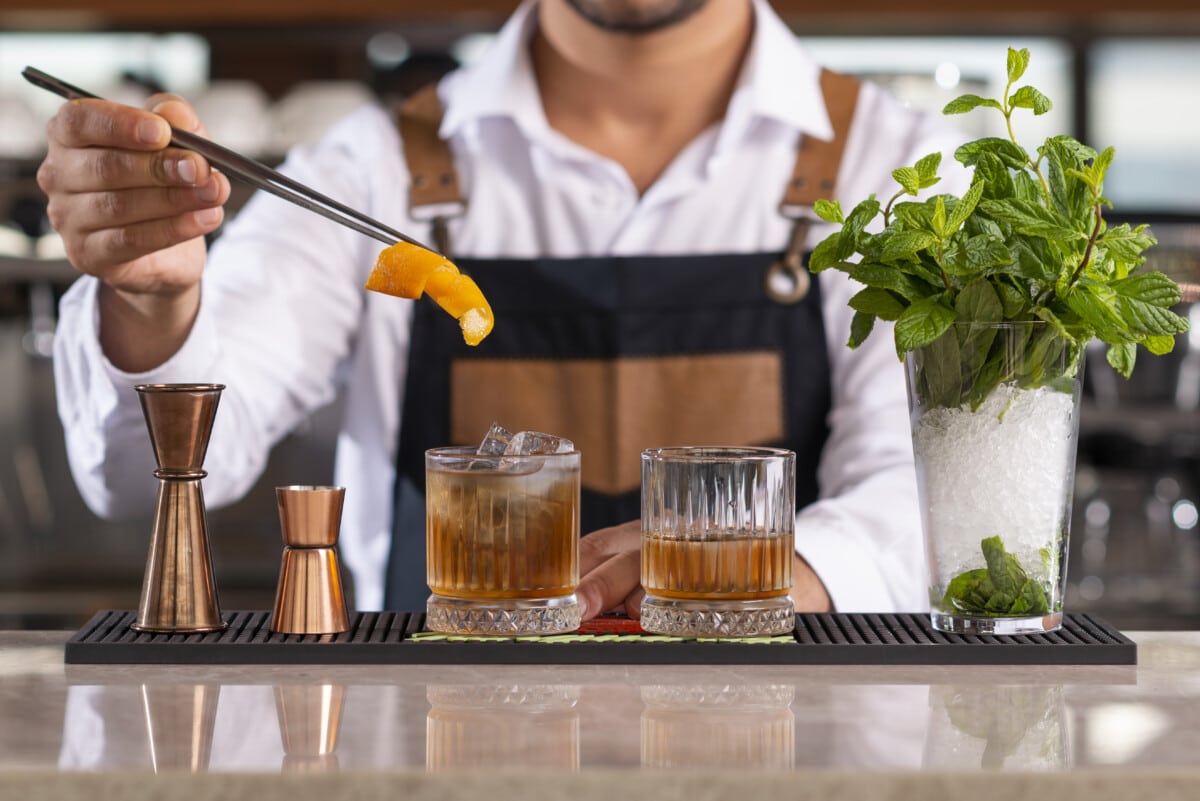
(537, 443)
(496, 441)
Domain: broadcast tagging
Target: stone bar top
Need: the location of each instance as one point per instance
(531, 732)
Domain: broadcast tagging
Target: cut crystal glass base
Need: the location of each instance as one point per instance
(718, 618)
(502, 617)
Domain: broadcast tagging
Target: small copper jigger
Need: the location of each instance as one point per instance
(310, 717)
(309, 598)
(178, 590)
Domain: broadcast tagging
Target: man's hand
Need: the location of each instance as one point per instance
(133, 211)
(610, 575)
(610, 571)
(808, 591)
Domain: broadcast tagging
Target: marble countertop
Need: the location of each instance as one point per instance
(531, 732)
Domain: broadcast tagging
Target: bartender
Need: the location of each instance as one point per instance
(629, 181)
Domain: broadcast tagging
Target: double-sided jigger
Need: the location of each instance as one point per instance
(309, 598)
(178, 591)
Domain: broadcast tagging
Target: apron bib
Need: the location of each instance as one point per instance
(617, 354)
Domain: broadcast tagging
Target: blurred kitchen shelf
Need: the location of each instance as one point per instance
(270, 11)
(25, 271)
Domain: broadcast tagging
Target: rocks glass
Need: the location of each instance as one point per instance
(718, 541)
(502, 542)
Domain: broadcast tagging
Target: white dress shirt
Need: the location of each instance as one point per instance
(284, 317)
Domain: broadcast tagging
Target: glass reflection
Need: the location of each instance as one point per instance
(727, 726)
(502, 726)
(1014, 727)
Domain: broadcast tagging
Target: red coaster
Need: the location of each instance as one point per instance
(611, 624)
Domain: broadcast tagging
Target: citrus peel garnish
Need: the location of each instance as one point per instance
(406, 270)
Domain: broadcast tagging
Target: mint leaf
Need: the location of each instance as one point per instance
(1122, 357)
(887, 276)
(829, 211)
(1031, 219)
(975, 255)
(1018, 62)
(906, 243)
(908, 178)
(965, 103)
(1127, 243)
(1003, 588)
(963, 208)
(1154, 288)
(979, 303)
(825, 254)
(1028, 97)
(927, 169)
(1011, 155)
(878, 302)
(921, 323)
(1159, 345)
(860, 328)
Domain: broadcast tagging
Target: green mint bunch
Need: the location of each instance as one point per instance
(1028, 241)
(1002, 588)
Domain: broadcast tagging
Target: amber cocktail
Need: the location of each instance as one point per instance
(717, 541)
(502, 542)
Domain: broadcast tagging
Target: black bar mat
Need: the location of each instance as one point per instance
(396, 638)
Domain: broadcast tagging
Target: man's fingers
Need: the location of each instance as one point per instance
(602, 544)
(100, 123)
(118, 245)
(177, 111)
(98, 210)
(608, 585)
(98, 169)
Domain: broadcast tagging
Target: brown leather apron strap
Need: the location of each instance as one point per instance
(817, 160)
(433, 192)
(813, 177)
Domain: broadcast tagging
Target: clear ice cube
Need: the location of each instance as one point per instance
(537, 443)
(496, 441)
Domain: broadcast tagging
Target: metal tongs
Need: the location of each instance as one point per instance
(250, 171)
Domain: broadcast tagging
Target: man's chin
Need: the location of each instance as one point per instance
(635, 16)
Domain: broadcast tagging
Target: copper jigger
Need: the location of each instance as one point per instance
(310, 717)
(178, 590)
(309, 598)
(179, 723)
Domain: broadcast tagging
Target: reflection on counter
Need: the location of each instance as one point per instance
(719, 726)
(450, 718)
(1021, 727)
(179, 725)
(310, 716)
(502, 726)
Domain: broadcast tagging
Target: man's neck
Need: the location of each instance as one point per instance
(639, 98)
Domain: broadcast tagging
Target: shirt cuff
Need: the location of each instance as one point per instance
(92, 387)
(846, 566)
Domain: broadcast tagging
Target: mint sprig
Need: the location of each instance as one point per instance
(1002, 588)
(1028, 241)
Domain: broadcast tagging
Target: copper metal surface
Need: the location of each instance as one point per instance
(309, 598)
(179, 593)
(310, 516)
(180, 719)
(310, 717)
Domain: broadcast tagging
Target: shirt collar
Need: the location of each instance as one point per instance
(779, 81)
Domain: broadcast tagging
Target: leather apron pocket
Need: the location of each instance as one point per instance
(612, 409)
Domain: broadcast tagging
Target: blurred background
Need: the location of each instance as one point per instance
(267, 75)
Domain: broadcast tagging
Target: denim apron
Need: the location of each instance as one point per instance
(617, 354)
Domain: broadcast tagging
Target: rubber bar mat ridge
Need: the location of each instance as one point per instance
(377, 638)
